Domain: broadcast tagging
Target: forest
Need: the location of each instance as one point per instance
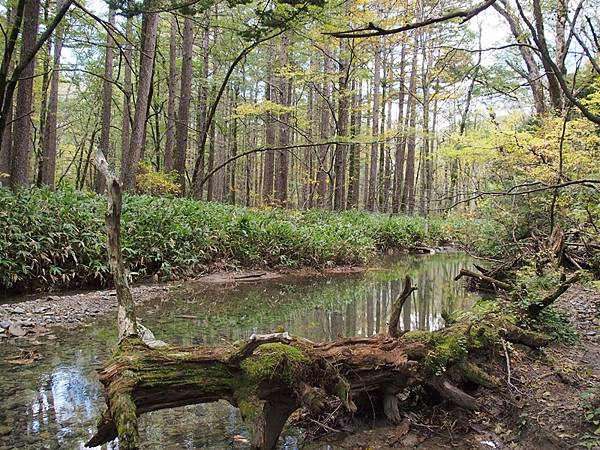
(300, 224)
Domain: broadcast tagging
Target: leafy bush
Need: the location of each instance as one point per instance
(156, 183)
(57, 239)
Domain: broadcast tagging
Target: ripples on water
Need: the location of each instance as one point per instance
(53, 403)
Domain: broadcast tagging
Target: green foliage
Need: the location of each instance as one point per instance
(555, 323)
(156, 183)
(534, 283)
(518, 153)
(590, 403)
(57, 239)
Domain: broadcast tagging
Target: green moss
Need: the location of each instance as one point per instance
(475, 374)
(417, 336)
(273, 361)
(447, 350)
(481, 336)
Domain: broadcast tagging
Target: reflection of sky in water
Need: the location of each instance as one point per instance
(54, 403)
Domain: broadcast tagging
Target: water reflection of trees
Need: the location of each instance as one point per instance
(366, 314)
(338, 306)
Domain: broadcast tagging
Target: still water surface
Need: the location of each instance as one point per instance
(53, 403)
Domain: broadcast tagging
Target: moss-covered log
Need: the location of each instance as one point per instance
(269, 377)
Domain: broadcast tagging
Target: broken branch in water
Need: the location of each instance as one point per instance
(393, 329)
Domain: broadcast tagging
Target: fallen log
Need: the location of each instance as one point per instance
(535, 308)
(269, 377)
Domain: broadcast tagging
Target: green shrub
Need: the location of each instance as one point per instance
(57, 239)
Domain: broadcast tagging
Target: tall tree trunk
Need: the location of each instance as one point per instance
(21, 149)
(128, 92)
(269, 158)
(387, 178)
(533, 75)
(285, 94)
(324, 131)
(202, 109)
(426, 157)
(183, 117)
(43, 110)
(553, 85)
(5, 151)
(6, 143)
(401, 138)
(107, 89)
(211, 162)
(562, 6)
(366, 172)
(354, 160)
(372, 200)
(382, 118)
(131, 161)
(234, 147)
(48, 159)
(408, 199)
(339, 201)
(172, 92)
(309, 152)
(435, 164)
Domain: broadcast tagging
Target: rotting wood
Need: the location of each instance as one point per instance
(268, 377)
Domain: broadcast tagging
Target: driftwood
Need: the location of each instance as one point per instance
(270, 376)
(126, 310)
(534, 309)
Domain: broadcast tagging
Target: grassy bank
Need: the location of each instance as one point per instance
(57, 239)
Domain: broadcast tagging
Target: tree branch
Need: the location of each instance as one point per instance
(373, 30)
(397, 307)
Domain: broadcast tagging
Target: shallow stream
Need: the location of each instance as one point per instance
(53, 403)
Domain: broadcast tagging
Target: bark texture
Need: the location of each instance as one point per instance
(21, 148)
(131, 160)
(183, 117)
